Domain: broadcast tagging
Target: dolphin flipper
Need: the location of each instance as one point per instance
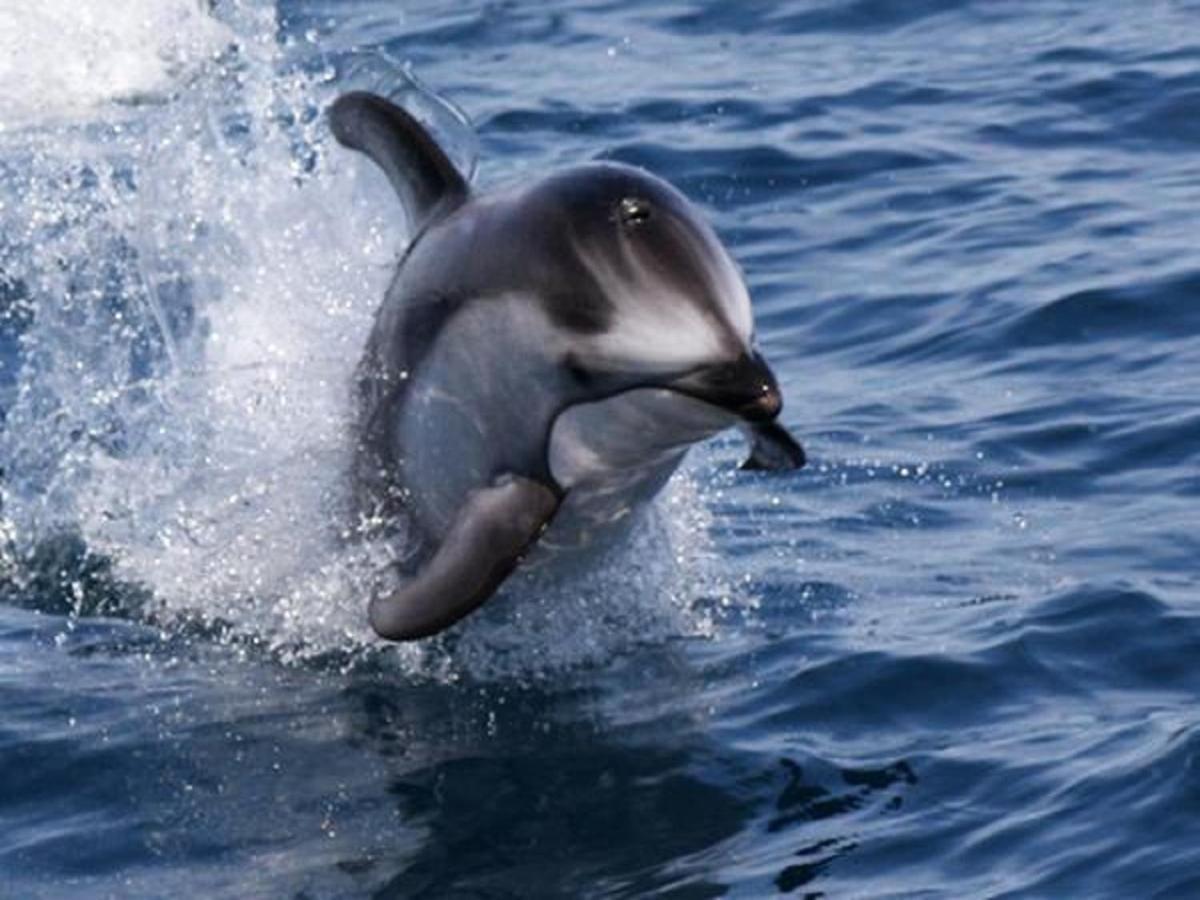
(772, 448)
(487, 539)
(420, 172)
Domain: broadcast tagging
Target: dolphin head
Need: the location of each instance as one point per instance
(653, 298)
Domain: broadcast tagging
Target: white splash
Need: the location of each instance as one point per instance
(62, 59)
(201, 277)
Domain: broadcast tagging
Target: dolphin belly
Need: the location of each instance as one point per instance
(613, 455)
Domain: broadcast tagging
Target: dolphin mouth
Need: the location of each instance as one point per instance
(745, 387)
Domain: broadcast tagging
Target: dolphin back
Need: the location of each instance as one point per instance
(422, 175)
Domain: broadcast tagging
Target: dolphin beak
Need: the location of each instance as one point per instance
(745, 387)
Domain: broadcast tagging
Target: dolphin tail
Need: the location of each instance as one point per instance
(420, 172)
(487, 539)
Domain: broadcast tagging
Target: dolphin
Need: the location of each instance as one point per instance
(540, 364)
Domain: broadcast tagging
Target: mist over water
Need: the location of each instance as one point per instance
(955, 656)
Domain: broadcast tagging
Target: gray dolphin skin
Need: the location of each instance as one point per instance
(540, 364)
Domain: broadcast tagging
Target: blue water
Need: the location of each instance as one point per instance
(956, 656)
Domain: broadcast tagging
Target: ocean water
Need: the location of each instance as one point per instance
(956, 656)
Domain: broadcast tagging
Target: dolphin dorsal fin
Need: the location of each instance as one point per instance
(420, 172)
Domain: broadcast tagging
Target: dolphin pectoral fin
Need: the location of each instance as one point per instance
(772, 448)
(418, 169)
(487, 539)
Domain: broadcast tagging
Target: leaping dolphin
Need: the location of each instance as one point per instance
(542, 361)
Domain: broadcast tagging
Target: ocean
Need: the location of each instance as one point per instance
(955, 656)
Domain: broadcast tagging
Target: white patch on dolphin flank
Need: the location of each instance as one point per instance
(736, 299)
(659, 328)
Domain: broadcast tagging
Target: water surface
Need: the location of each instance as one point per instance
(953, 657)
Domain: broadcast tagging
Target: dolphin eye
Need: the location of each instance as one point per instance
(633, 211)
